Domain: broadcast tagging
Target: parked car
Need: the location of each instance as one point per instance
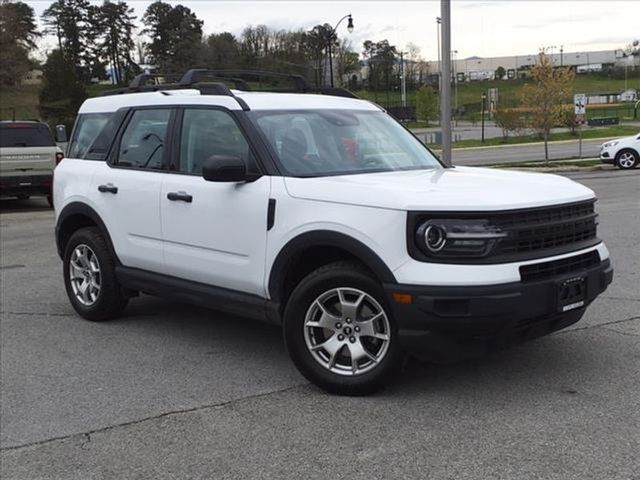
(319, 213)
(28, 155)
(622, 152)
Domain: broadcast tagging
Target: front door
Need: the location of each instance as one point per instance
(214, 232)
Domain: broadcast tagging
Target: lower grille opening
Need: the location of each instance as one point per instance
(538, 271)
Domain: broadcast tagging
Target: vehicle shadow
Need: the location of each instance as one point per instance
(33, 204)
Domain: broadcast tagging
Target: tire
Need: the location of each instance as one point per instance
(93, 266)
(325, 356)
(627, 159)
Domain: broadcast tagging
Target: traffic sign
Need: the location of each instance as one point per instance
(580, 103)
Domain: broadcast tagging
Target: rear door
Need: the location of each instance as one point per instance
(126, 189)
(214, 232)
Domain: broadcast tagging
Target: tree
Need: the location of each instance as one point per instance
(62, 92)
(69, 20)
(509, 120)
(176, 37)
(116, 22)
(426, 104)
(545, 96)
(500, 73)
(348, 60)
(221, 51)
(17, 38)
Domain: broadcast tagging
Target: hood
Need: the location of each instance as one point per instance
(459, 188)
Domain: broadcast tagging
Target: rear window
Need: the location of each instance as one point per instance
(25, 135)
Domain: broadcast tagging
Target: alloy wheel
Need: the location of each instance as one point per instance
(347, 331)
(84, 275)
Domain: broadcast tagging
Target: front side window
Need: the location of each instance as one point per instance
(142, 143)
(88, 127)
(208, 132)
(337, 142)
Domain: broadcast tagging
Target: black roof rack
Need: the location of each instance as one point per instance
(194, 79)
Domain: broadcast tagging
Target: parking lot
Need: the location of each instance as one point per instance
(173, 391)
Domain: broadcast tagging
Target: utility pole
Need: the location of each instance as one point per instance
(438, 21)
(445, 97)
(403, 82)
(561, 55)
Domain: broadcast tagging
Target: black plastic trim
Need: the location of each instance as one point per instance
(271, 213)
(209, 296)
(79, 208)
(325, 238)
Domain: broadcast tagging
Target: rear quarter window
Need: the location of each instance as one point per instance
(15, 135)
(88, 140)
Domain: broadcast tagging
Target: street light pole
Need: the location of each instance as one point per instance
(330, 41)
(438, 21)
(403, 82)
(445, 98)
(484, 99)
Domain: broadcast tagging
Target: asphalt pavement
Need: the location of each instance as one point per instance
(173, 391)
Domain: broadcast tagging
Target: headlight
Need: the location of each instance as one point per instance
(446, 238)
(610, 144)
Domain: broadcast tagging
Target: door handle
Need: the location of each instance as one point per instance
(180, 196)
(108, 188)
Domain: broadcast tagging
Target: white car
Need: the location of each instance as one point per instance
(321, 214)
(622, 152)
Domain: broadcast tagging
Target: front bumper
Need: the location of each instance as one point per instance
(13, 186)
(449, 323)
(606, 156)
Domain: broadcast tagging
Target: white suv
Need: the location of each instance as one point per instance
(322, 214)
(622, 152)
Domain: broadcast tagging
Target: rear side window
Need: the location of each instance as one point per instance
(142, 143)
(17, 134)
(88, 127)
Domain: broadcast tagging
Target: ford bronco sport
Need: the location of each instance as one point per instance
(322, 214)
(28, 155)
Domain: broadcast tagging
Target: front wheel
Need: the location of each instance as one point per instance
(627, 159)
(340, 332)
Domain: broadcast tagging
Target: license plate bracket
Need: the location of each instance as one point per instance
(572, 293)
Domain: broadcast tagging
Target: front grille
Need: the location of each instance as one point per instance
(564, 266)
(546, 228)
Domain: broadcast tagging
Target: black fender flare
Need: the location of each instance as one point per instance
(82, 209)
(325, 238)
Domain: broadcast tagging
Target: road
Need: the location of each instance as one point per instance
(173, 391)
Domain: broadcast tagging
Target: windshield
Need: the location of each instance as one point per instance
(335, 142)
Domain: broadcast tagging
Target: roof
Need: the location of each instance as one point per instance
(255, 101)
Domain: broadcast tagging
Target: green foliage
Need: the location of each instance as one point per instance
(115, 24)
(510, 121)
(500, 73)
(426, 104)
(62, 92)
(17, 38)
(176, 37)
(546, 96)
(381, 58)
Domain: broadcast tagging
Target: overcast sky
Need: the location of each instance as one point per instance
(479, 27)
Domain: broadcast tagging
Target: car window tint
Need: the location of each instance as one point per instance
(142, 143)
(25, 135)
(206, 133)
(87, 129)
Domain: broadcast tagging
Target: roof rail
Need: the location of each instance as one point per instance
(193, 79)
(142, 79)
(195, 75)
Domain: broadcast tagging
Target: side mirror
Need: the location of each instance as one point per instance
(61, 134)
(226, 168)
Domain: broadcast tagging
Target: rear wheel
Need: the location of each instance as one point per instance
(627, 159)
(90, 277)
(340, 332)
